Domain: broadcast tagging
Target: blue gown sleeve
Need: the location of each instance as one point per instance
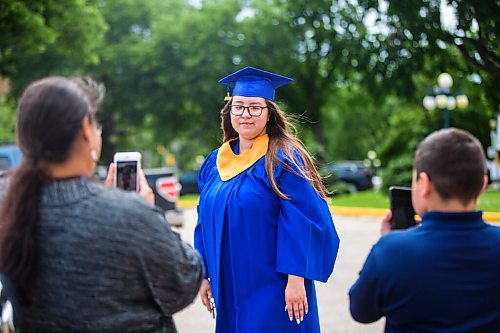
(198, 243)
(198, 231)
(365, 295)
(307, 240)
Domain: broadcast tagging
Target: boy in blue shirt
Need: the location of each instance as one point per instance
(443, 275)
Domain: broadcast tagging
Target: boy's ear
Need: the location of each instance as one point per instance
(426, 186)
(485, 185)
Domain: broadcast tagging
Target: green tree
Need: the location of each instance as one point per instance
(355, 123)
(410, 32)
(24, 32)
(42, 38)
(126, 58)
(47, 37)
(319, 43)
(161, 61)
(196, 48)
(7, 120)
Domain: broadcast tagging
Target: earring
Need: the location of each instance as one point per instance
(93, 155)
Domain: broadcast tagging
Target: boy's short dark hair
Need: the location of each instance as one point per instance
(455, 162)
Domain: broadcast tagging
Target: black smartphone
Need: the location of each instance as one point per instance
(403, 214)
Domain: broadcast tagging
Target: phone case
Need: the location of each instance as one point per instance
(403, 214)
(127, 166)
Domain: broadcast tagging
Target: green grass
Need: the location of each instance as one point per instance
(488, 202)
(189, 197)
(368, 199)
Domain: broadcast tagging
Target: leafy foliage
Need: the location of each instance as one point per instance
(360, 68)
(412, 33)
(317, 43)
(7, 120)
(46, 37)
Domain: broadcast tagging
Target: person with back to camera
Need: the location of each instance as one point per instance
(85, 257)
(443, 275)
(264, 228)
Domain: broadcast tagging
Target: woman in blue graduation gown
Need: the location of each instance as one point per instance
(264, 229)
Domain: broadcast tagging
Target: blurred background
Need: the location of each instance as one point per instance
(366, 73)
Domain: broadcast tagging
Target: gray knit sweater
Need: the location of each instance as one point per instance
(108, 262)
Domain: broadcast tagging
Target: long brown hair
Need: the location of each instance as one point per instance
(49, 118)
(282, 136)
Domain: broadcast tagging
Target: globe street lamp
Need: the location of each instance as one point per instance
(373, 163)
(494, 150)
(444, 98)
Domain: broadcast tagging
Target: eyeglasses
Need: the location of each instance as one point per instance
(253, 110)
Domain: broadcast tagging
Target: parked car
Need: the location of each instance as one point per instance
(163, 181)
(352, 172)
(166, 188)
(10, 157)
(189, 182)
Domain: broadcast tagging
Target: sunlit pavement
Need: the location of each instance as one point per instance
(357, 235)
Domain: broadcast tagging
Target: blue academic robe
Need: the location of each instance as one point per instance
(250, 239)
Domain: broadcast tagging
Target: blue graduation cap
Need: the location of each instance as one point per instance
(254, 82)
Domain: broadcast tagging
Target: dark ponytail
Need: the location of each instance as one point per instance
(49, 118)
(20, 213)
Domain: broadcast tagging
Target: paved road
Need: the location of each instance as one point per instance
(357, 235)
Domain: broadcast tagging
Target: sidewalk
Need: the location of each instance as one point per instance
(492, 217)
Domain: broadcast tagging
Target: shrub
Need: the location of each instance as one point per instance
(398, 172)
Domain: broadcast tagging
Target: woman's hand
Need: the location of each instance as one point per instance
(296, 298)
(111, 175)
(385, 225)
(206, 294)
(144, 189)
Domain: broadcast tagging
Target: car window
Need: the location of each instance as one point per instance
(4, 163)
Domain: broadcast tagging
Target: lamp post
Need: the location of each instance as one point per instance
(445, 98)
(373, 163)
(494, 150)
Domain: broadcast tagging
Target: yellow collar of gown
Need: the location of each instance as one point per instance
(230, 165)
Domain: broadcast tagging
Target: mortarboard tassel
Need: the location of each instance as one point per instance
(228, 95)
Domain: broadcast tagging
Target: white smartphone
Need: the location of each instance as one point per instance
(127, 166)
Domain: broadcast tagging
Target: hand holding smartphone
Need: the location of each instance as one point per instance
(403, 214)
(127, 166)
